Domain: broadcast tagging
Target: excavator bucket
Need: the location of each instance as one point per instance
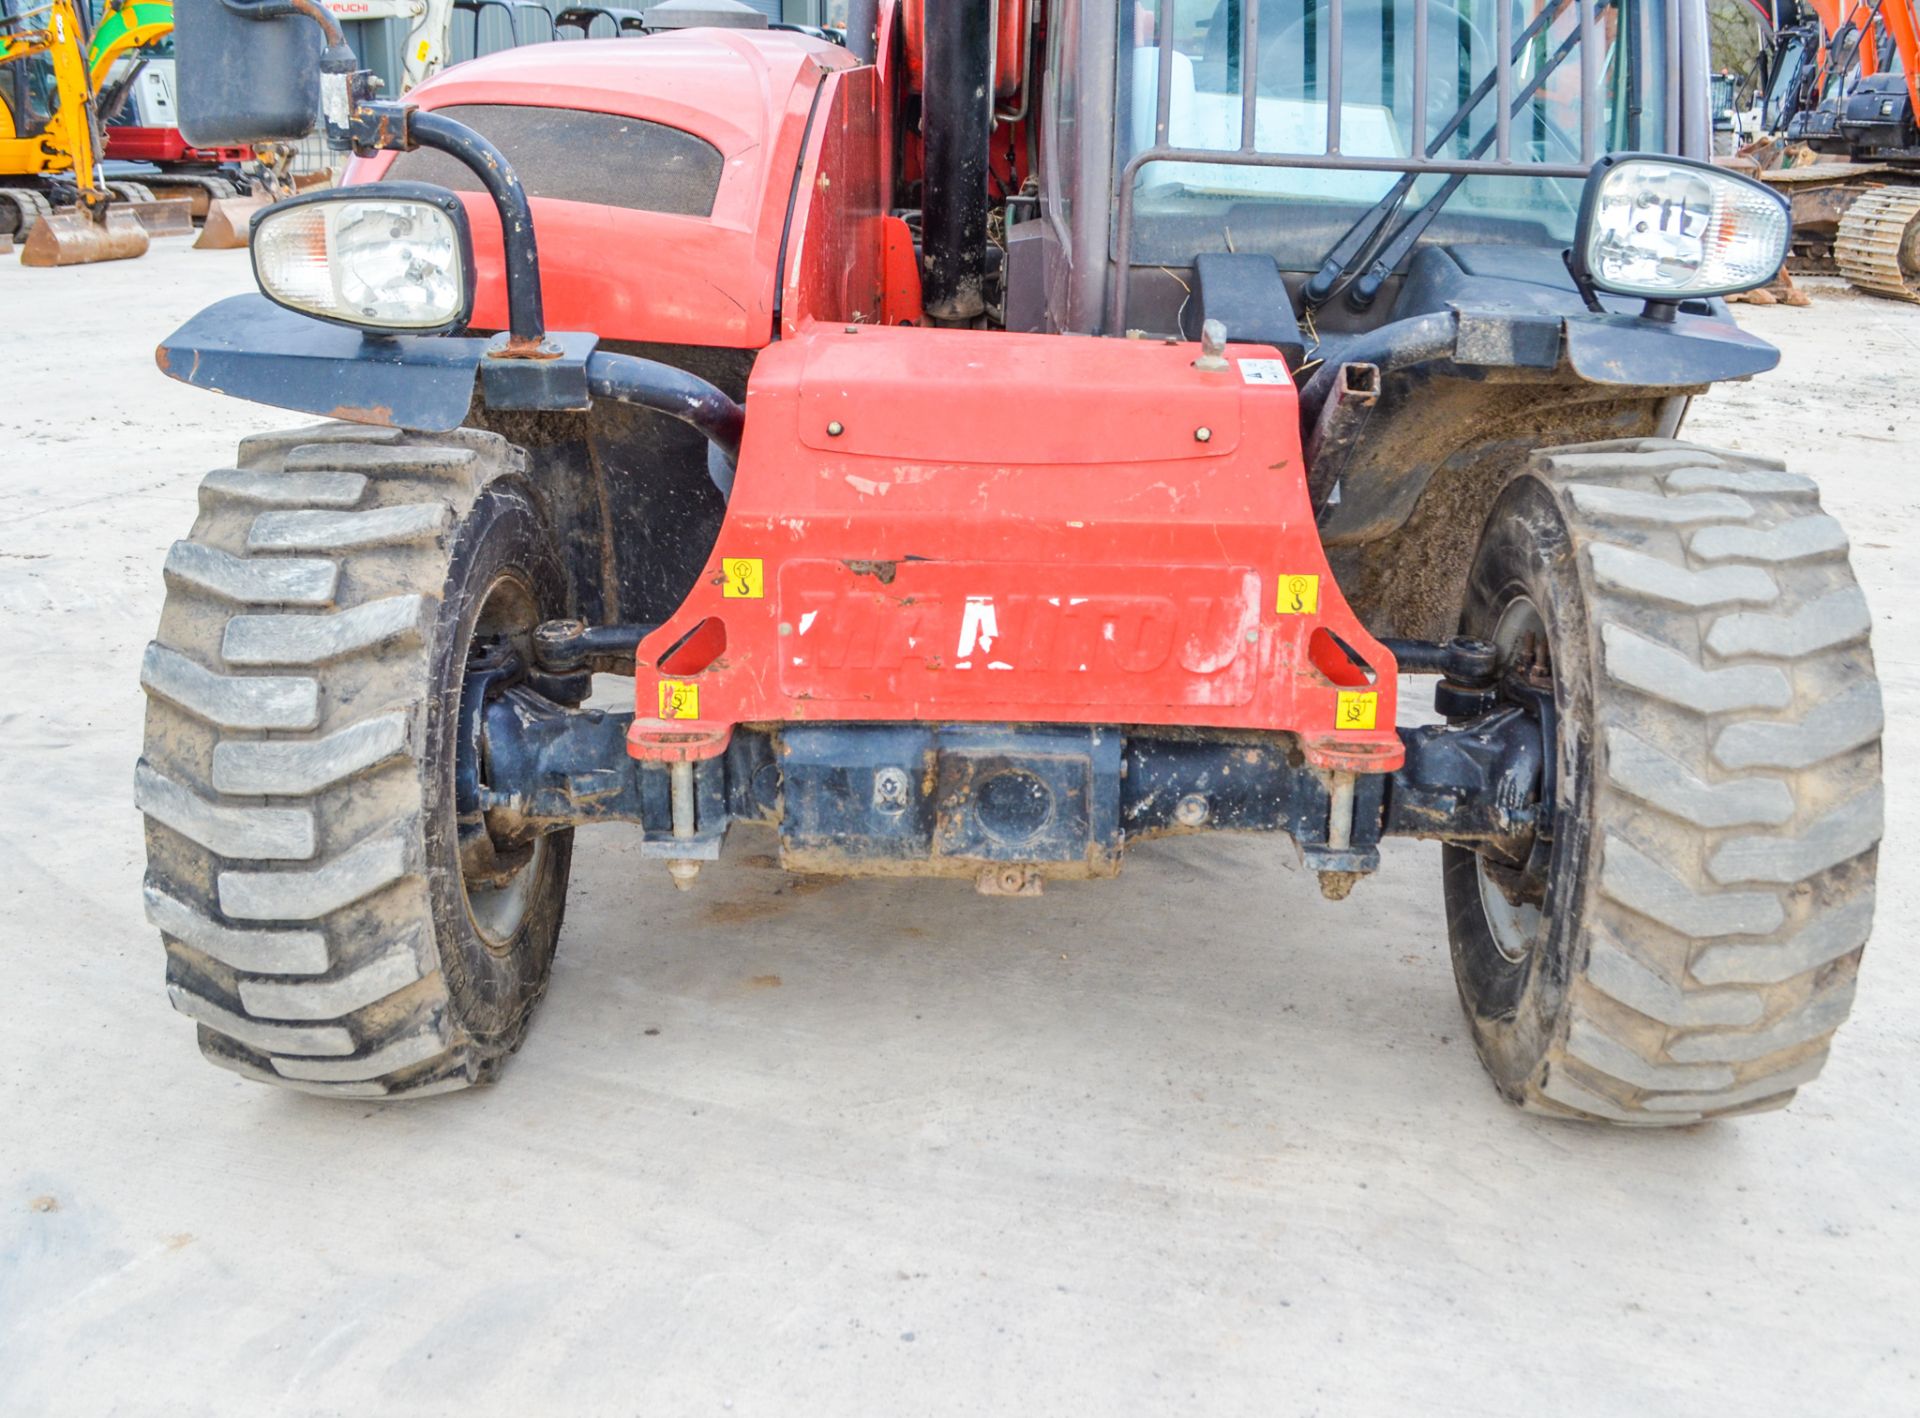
(229, 222)
(71, 238)
(197, 197)
(170, 216)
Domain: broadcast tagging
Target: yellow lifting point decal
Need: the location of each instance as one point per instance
(1356, 708)
(742, 579)
(1299, 595)
(680, 700)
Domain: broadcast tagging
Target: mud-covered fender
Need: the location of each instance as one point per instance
(1687, 351)
(250, 348)
(1436, 373)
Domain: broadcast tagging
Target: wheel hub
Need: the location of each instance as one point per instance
(498, 874)
(1512, 894)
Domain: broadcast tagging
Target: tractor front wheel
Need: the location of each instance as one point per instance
(327, 922)
(1691, 941)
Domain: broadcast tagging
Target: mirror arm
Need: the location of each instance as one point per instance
(356, 120)
(281, 9)
(344, 85)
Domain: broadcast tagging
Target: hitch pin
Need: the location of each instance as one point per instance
(683, 870)
(1340, 811)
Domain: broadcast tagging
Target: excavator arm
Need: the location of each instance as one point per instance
(429, 31)
(125, 26)
(1896, 16)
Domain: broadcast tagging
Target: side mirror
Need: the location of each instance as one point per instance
(242, 80)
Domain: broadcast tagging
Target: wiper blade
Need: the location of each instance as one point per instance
(1402, 241)
(1349, 250)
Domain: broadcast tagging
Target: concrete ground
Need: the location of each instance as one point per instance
(1193, 1141)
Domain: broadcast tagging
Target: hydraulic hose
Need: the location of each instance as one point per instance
(957, 107)
(628, 379)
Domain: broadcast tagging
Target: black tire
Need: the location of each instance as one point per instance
(1711, 884)
(303, 697)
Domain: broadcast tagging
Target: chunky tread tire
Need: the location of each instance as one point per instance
(291, 869)
(1704, 935)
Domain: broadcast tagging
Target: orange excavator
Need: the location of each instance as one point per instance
(1840, 90)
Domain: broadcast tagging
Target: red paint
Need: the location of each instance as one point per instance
(132, 144)
(647, 275)
(1010, 35)
(836, 243)
(935, 524)
(899, 275)
(1018, 528)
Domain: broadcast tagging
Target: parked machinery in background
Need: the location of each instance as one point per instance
(1836, 90)
(54, 197)
(130, 65)
(425, 36)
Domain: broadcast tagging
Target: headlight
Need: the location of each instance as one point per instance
(388, 256)
(1671, 228)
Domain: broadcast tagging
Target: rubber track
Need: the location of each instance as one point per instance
(1875, 231)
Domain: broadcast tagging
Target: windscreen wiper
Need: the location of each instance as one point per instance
(1349, 250)
(1402, 241)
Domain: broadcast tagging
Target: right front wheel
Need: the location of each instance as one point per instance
(1693, 941)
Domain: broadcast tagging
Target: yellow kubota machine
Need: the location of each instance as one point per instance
(52, 194)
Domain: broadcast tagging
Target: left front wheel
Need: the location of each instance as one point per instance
(323, 925)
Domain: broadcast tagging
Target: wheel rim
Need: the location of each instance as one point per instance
(1517, 928)
(500, 901)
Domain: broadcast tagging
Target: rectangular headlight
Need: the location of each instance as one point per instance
(394, 257)
(1672, 229)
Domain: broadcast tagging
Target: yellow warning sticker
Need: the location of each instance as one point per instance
(742, 578)
(1299, 595)
(423, 51)
(1357, 707)
(680, 700)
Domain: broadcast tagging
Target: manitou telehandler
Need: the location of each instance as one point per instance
(1019, 433)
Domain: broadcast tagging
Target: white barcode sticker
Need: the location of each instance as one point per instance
(1265, 371)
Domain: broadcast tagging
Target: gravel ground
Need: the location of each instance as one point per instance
(1192, 1141)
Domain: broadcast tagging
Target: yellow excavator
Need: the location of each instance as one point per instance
(52, 193)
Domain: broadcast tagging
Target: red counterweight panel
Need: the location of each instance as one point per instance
(978, 526)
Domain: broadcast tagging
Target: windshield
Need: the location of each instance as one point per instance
(1785, 78)
(26, 82)
(1406, 100)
